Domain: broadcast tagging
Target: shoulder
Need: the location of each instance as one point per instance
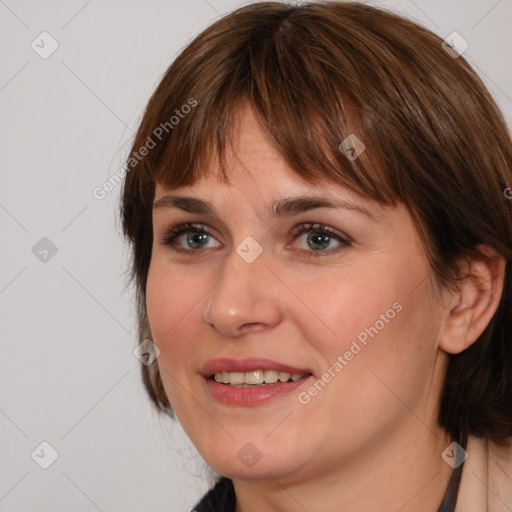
(221, 498)
(486, 483)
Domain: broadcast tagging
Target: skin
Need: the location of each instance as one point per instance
(369, 439)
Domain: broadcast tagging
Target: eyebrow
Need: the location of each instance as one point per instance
(284, 207)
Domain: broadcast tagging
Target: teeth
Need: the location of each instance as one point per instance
(284, 376)
(270, 376)
(256, 377)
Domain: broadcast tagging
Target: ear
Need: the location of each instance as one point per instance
(471, 307)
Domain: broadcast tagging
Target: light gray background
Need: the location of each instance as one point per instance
(68, 375)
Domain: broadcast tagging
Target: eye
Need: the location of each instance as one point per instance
(197, 236)
(319, 237)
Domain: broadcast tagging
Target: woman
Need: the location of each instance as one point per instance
(317, 207)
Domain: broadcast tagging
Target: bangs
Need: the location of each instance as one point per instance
(304, 92)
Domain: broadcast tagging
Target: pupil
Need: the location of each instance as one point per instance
(316, 239)
(193, 238)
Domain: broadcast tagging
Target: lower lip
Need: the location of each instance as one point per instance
(253, 395)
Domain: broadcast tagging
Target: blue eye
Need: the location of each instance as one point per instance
(321, 236)
(197, 236)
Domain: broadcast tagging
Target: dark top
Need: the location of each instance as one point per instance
(219, 499)
(222, 497)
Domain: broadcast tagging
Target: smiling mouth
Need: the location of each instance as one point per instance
(257, 378)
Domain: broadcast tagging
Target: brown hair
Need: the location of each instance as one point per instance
(314, 74)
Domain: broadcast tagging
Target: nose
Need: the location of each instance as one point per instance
(245, 298)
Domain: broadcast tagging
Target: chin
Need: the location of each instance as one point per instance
(258, 459)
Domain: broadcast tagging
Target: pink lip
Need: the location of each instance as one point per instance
(247, 365)
(251, 396)
(254, 395)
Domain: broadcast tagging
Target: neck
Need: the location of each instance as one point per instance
(405, 473)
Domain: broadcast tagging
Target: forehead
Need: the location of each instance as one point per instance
(272, 192)
(258, 174)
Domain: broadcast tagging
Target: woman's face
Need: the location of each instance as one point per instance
(351, 308)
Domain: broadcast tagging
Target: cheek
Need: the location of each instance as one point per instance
(379, 321)
(172, 300)
(170, 297)
(344, 307)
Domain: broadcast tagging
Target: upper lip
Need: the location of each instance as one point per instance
(246, 365)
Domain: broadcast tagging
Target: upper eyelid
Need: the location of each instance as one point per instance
(183, 227)
(187, 225)
(208, 224)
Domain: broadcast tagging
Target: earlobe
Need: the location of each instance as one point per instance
(472, 307)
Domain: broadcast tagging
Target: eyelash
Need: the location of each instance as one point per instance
(173, 231)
